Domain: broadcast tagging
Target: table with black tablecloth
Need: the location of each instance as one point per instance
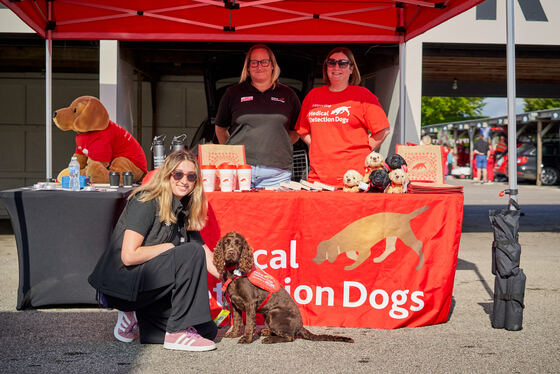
(60, 236)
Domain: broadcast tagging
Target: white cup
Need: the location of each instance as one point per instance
(226, 178)
(244, 173)
(208, 173)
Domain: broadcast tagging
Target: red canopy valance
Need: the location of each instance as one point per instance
(356, 21)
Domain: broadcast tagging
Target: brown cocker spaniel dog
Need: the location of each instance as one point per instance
(282, 316)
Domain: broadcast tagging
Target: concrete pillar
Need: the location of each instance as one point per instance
(116, 82)
(386, 88)
(413, 81)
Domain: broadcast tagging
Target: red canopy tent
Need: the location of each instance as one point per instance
(356, 21)
(293, 21)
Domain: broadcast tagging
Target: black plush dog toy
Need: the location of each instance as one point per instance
(395, 162)
(378, 181)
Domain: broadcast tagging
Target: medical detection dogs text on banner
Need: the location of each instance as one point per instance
(355, 260)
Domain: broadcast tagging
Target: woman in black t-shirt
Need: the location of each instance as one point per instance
(154, 270)
(260, 113)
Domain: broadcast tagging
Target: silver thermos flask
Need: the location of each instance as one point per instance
(158, 150)
(178, 143)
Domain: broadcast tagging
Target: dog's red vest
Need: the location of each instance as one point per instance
(259, 278)
(263, 280)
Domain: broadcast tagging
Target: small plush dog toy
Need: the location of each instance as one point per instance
(101, 145)
(396, 161)
(378, 181)
(351, 180)
(399, 180)
(374, 161)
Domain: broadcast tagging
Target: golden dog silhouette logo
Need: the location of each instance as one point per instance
(357, 239)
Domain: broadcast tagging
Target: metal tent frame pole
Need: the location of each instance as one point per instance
(48, 109)
(48, 98)
(512, 120)
(402, 93)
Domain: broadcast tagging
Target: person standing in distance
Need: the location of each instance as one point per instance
(481, 151)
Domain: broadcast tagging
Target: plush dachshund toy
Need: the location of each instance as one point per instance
(248, 289)
(101, 145)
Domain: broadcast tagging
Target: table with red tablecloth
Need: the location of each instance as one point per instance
(349, 259)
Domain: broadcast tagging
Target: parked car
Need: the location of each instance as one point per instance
(527, 163)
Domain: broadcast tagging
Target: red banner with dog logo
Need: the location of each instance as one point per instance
(349, 259)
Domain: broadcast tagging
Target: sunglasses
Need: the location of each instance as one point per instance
(264, 63)
(178, 175)
(341, 63)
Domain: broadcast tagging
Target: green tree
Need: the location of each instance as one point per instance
(437, 109)
(540, 104)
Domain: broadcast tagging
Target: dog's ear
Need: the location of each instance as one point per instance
(92, 117)
(246, 258)
(219, 260)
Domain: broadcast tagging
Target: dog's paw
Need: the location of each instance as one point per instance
(277, 339)
(267, 340)
(232, 334)
(265, 332)
(245, 339)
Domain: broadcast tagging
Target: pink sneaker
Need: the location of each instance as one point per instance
(187, 340)
(126, 328)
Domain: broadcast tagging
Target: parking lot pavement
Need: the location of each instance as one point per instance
(80, 340)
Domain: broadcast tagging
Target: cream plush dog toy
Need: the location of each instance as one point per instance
(374, 161)
(351, 180)
(399, 180)
(101, 145)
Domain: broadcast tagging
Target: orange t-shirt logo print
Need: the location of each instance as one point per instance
(340, 110)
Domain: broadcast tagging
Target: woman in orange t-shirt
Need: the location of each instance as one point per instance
(341, 122)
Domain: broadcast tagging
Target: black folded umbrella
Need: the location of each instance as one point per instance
(509, 286)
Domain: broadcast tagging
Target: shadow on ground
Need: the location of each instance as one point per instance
(536, 218)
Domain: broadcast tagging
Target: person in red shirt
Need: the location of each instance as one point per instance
(501, 147)
(341, 122)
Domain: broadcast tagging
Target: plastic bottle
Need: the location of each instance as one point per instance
(74, 175)
(158, 150)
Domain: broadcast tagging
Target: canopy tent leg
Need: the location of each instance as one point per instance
(509, 286)
(48, 99)
(512, 120)
(402, 93)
